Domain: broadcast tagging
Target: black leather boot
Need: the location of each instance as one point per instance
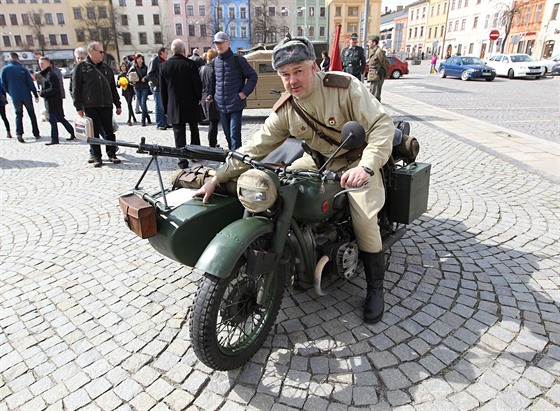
(374, 268)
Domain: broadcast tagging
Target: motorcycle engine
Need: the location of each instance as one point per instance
(343, 256)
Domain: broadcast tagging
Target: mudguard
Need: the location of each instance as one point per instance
(221, 255)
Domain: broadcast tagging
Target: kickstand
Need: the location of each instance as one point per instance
(156, 162)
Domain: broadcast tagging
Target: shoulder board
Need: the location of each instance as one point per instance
(337, 80)
(281, 101)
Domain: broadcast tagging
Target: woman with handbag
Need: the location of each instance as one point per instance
(127, 92)
(137, 76)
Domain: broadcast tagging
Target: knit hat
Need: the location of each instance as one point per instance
(293, 50)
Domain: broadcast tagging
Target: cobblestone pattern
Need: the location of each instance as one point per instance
(93, 319)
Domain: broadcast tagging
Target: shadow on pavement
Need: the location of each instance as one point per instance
(9, 164)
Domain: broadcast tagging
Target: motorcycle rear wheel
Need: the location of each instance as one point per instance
(232, 316)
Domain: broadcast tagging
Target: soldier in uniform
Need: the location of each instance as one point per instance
(354, 58)
(333, 99)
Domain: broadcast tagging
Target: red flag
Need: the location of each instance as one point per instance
(336, 62)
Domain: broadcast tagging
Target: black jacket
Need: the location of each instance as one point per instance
(181, 90)
(154, 67)
(50, 91)
(94, 88)
(142, 72)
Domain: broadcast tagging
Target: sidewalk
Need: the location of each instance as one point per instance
(543, 157)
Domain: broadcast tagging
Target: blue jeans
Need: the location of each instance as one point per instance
(18, 106)
(55, 118)
(142, 96)
(161, 118)
(231, 123)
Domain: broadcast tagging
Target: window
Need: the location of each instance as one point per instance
(486, 21)
(471, 48)
(444, 8)
(122, 3)
(202, 10)
(338, 11)
(178, 29)
(2, 20)
(176, 8)
(190, 10)
(52, 39)
(155, 3)
(466, 3)
(415, 32)
(158, 37)
(311, 31)
(548, 48)
(422, 31)
(203, 32)
(140, 19)
(80, 35)
(450, 28)
(432, 11)
(258, 11)
(430, 33)
(7, 42)
(60, 18)
(456, 25)
(495, 21)
(25, 19)
(29, 40)
(17, 40)
(435, 32)
(423, 12)
(156, 19)
(438, 9)
(322, 13)
(64, 39)
(538, 13)
(124, 20)
(127, 40)
(232, 31)
(526, 16)
(143, 38)
(191, 30)
(352, 27)
(13, 20)
(554, 13)
(311, 11)
(322, 31)
(300, 12)
(243, 12)
(139, 2)
(409, 33)
(20, 1)
(453, 5)
(105, 34)
(36, 18)
(220, 13)
(459, 4)
(90, 11)
(231, 13)
(102, 11)
(284, 12)
(48, 19)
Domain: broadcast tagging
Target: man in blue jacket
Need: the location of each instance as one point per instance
(234, 80)
(17, 81)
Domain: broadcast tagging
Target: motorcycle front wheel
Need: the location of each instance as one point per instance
(232, 316)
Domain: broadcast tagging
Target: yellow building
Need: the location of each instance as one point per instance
(349, 15)
(437, 22)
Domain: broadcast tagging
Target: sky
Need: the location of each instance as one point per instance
(392, 4)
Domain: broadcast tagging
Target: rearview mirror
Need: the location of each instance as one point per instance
(353, 135)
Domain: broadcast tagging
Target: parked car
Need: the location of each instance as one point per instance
(397, 69)
(550, 63)
(466, 68)
(516, 65)
(555, 70)
(263, 96)
(66, 72)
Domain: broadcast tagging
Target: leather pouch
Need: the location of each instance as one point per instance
(139, 215)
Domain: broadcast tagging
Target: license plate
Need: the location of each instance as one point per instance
(486, 74)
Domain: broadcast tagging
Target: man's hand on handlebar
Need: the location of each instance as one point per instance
(355, 177)
(206, 190)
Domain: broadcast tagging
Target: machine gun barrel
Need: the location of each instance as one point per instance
(188, 152)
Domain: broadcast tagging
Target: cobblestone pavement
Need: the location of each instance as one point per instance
(92, 318)
(526, 105)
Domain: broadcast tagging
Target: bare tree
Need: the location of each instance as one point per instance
(37, 23)
(267, 22)
(510, 14)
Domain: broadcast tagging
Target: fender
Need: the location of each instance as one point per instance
(229, 244)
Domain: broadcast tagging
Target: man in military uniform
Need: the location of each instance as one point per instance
(354, 58)
(333, 100)
(378, 67)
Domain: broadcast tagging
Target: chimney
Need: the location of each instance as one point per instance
(399, 8)
(386, 9)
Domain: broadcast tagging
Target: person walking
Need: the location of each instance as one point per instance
(154, 68)
(378, 67)
(310, 91)
(18, 83)
(141, 86)
(181, 91)
(3, 102)
(354, 58)
(53, 100)
(197, 59)
(326, 62)
(233, 81)
(127, 92)
(433, 63)
(209, 106)
(94, 95)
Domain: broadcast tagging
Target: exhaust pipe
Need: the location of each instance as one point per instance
(318, 274)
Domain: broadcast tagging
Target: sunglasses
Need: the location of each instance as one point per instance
(100, 51)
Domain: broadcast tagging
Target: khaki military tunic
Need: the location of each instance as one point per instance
(333, 106)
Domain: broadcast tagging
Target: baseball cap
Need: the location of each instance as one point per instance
(220, 37)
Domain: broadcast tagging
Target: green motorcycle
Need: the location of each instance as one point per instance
(277, 227)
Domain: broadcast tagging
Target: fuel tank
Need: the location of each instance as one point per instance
(315, 201)
(188, 227)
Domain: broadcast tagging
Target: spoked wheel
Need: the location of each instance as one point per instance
(465, 76)
(232, 316)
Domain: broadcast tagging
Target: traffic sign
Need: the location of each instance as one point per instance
(494, 34)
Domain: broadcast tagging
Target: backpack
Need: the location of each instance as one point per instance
(384, 63)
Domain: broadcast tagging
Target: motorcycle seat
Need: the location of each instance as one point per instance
(287, 153)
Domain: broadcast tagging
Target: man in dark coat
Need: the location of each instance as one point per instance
(354, 58)
(181, 91)
(53, 100)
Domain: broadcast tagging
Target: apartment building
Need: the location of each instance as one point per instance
(416, 32)
(549, 34)
(525, 26)
(387, 26)
(351, 15)
(436, 26)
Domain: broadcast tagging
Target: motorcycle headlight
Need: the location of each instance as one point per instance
(256, 191)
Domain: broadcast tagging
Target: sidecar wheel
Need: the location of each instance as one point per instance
(233, 316)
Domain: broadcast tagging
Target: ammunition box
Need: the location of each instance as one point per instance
(408, 193)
